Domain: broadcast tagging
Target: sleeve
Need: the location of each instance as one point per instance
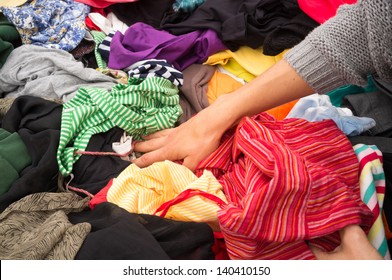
(347, 48)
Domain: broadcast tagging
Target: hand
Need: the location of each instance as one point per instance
(354, 246)
(197, 138)
(190, 142)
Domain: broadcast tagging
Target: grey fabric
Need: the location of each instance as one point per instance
(48, 73)
(193, 93)
(376, 105)
(347, 47)
(36, 227)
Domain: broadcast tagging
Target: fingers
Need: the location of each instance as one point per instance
(149, 158)
(149, 145)
(153, 141)
(158, 134)
(161, 155)
(322, 255)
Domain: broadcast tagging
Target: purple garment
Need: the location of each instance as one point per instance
(142, 41)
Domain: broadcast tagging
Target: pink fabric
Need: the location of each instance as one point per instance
(322, 10)
(102, 3)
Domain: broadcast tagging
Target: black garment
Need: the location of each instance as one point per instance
(237, 23)
(147, 11)
(376, 105)
(37, 121)
(92, 173)
(288, 35)
(118, 234)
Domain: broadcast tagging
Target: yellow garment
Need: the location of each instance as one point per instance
(144, 190)
(219, 58)
(220, 84)
(251, 60)
(233, 67)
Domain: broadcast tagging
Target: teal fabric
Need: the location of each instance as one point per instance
(187, 5)
(338, 94)
(14, 157)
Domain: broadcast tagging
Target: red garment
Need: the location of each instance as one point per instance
(322, 10)
(286, 182)
(219, 247)
(89, 23)
(101, 196)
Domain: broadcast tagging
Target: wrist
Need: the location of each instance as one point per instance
(228, 110)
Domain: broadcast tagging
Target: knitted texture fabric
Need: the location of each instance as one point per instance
(141, 107)
(346, 48)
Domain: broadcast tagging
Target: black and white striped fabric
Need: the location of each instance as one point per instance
(156, 68)
(104, 46)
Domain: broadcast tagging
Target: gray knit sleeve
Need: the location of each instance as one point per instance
(347, 48)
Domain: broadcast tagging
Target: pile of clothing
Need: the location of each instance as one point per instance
(81, 80)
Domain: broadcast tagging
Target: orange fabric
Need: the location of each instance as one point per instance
(220, 84)
(282, 111)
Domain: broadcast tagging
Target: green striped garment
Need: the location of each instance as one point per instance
(141, 107)
(99, 36)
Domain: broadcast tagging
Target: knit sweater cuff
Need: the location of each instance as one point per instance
(313, 68)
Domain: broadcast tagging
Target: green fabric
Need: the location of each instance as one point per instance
(14, 157)
(8, 35)
(141, 107)
(99, 36)
(5, 49)
(8, 31)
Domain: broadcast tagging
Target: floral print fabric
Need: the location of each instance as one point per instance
(58, 24)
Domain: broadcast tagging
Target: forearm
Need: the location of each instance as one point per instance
(197, 138)
(347, 48)
(276, 86)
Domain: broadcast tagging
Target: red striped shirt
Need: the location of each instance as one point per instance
(286, 182)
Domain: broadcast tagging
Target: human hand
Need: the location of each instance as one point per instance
(354, 246)
(197, 138)
(190, 142)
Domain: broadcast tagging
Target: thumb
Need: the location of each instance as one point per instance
(190, 163)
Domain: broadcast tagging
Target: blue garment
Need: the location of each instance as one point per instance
(58, 24)
(317, 107)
